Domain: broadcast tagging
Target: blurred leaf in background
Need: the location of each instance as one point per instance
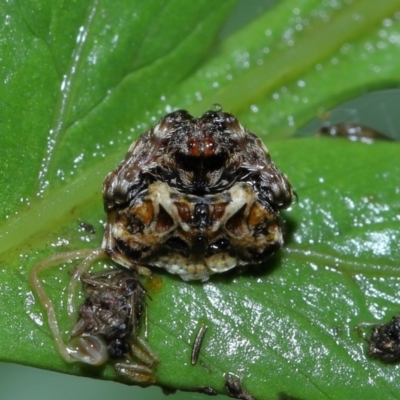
(82, 80)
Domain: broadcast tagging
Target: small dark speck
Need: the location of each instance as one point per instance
(336, 331)
(87, 227)
(206, 367)
(234, 388)
(167, 391)
(208, 390)
(285, 396)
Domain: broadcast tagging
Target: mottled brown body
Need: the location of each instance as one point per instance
(195, 196)
(112, 310)
(385, 341)
(109, 321)
(234, 388)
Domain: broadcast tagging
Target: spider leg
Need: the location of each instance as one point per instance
(139, 374)
(76, 279)
(89, 349)
(45, 300)
(143, 352)
(360, 329)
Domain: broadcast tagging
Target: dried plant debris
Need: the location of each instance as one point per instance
(89, 228)
(108, 326)
(112, 310)
(234, 388)
(197, 343)
(193, 197)
(384, 342)
(353, 131)
(208, 391)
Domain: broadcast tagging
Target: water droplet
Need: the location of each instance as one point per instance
(254, 108)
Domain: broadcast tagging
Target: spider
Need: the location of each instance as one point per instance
(193, 196)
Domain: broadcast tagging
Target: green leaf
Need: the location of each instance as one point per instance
(298, 61)
(82, 80)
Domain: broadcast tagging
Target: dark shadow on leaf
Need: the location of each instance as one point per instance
(289, 227)
(90, 371)
(285, 396)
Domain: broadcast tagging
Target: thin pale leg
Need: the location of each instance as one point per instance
(139, 374)
(359, 328)
(90, 349)
(76, 279)
(146, 324)
(92, 279)
(44, 299)
(143, 352)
